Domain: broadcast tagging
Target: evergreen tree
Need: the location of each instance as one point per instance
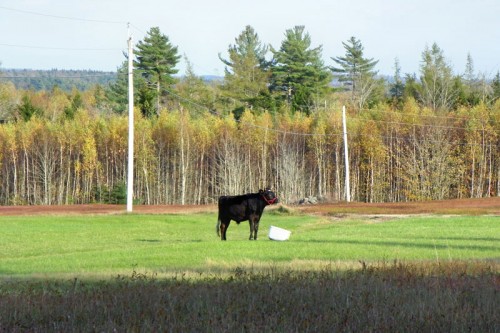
(194, 92)
(246, 73)
(496, 87)
(469, 75)
(156, 60)
(117, 92)
(99, 96)
(247, 45)
(27, 110)
(469, 89)
(146, 100)
(437, 82)
(411, 87)
(462, 92)
(76, 103)
(356, 72)
(397, 88)
(298, 73)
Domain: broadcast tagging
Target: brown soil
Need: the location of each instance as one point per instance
(102, 209)
(485, 206)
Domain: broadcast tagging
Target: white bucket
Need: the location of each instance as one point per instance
(278, 234)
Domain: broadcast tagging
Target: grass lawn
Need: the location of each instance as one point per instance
(170, 273)
(108, 245)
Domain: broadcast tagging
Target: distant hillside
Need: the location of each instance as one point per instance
(66, 79)
(48, 79)
(212, 78)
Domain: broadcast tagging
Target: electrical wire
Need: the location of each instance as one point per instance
(137, 28)
(60, 48)
(338, 134)
(76, 49)
(215, 113)
(62, 17)
(407, 123)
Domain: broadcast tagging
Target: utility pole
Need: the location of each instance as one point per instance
(130, 171)
(346, 154)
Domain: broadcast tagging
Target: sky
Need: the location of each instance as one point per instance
(92, 34)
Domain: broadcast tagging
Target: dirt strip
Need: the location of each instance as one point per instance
(484, 206)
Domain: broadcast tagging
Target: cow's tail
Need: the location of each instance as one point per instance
(217, 227)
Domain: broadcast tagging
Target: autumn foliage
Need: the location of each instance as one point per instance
(192, 155)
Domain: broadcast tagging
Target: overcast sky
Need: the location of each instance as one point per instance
(92, 34)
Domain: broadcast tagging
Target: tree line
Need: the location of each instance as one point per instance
(184, 158)
(66, 80)
(270, 122)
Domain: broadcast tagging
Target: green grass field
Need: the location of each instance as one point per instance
(170, 273)
(108, 245)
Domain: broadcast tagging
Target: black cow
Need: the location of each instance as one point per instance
(246, 207)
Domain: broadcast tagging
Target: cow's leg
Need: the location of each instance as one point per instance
(255, 229)
(223, 228)
(254, 226)
(251, 223)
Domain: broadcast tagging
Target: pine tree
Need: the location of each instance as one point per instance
(436, 79)
(356, 71)
(156, 60)
(298, 72)
(117, 92)
(397, 88)
(27, 110)
(194, 93)
(76, 103)
(496, 87)
(353, 66)
(469, 88)
(246, 73)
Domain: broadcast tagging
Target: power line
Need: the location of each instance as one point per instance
(407, 123)
(215, 113)
(62, 17)
(423, 115)
(424, 140)
(137, 28)
(57, 48)
(339, 134)
(331, 134)
(60, 48)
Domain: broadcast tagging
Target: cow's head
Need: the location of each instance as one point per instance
(269, 196)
